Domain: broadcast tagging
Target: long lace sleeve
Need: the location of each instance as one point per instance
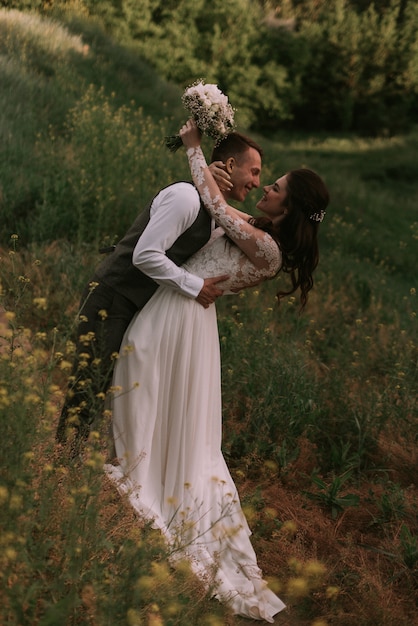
(257, 245)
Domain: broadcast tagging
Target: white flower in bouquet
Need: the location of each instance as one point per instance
(211, 111)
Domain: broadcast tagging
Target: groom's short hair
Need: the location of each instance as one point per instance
(234, 145)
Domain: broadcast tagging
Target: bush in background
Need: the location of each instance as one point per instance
(334, 65)
(339, 65)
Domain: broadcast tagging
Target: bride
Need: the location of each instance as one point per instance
(167, 418)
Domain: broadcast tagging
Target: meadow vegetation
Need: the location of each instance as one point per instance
(320, 409)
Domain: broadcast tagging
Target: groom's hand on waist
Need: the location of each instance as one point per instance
(210, 291)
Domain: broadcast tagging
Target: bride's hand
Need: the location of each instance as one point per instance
(221, 176)
(190, 134)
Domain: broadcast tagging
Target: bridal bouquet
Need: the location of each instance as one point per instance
(211, 111)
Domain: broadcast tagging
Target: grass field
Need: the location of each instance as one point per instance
(320, 409)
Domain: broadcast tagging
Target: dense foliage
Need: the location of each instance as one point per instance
(335, 64)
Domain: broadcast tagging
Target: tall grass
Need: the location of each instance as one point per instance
(97, 196)
(320, 414)
(71, 551)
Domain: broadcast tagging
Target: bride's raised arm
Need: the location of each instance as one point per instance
(256, 244)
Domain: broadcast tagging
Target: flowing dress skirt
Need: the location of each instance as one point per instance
(167, 423)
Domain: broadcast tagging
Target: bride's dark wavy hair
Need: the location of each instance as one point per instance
(297, 234)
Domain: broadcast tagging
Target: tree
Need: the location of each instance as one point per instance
(361, 73)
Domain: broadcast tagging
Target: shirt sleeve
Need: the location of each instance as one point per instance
(172, 212)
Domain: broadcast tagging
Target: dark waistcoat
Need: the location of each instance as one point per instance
(118, 272)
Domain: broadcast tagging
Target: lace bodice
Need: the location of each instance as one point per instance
(221, 256)
(255, 255)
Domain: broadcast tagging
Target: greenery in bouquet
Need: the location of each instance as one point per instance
(211, 111)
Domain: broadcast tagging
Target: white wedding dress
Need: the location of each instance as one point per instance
(167, 423)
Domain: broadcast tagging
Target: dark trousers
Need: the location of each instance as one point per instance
(104, 317)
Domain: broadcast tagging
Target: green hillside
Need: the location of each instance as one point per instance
(320, 410)
(72, 103)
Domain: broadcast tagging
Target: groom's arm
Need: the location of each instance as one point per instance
(173, 211)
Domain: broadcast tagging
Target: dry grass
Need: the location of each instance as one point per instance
(360, 577)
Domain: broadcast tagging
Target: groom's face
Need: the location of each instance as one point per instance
(245, 174)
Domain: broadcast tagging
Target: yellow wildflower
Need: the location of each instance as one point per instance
(154, 617)
(314, 568)
(70, 347)
(332, 592)
(15, 502)
(133, 618)
(32, 398)
(271, 465)
(274, 584)
(40, 303)
(160, 571)
(4, 494)
(297, 587)
(145, 583)
(213, 620)
(289, 528)
(10, 554)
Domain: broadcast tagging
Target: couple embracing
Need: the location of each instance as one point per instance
(158, 289)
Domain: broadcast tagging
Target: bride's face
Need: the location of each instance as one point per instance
(274, 200)
(245, 174)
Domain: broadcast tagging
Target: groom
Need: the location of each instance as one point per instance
(164, 235)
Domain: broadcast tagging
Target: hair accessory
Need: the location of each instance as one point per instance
(318, 217)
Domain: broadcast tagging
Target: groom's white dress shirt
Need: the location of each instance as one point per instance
(172, 212)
